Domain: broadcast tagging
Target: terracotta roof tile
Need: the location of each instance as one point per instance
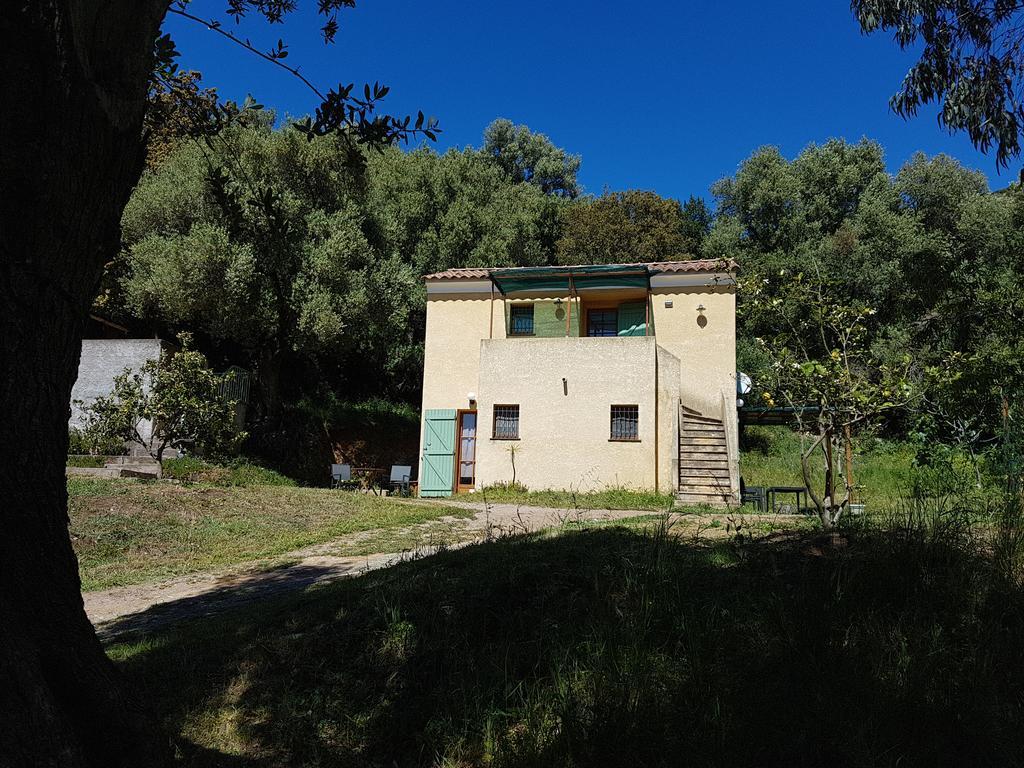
(657, 267)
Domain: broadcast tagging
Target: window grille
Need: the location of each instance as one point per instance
(602, 322)
(521, 320)
(506, 422)
(625, 422)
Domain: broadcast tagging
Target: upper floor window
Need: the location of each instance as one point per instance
(625, 422)
(520, 320)
(602, 322)
(506, 422)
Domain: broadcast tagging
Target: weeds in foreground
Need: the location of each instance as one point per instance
(894, 644)
(571, 499)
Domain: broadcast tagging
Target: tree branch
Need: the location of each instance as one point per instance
(215, 26)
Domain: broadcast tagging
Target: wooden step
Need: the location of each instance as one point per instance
(705, 488)
(706, 493)
(700, 499)
(700, 475)
(698, 419)
(697, 463)
(701, 426)
(703, 439)
(698, 451)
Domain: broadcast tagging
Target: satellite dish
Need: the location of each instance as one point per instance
(743, 383)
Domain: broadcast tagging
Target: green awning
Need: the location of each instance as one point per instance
(520, 279)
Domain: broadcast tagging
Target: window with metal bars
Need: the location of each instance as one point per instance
(520, 320)
(506, 422)
(602, 322)
(625, 422)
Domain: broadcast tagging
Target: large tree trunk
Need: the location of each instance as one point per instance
(268, 385)
(74, 81)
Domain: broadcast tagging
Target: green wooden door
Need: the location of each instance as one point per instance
(633, 319)
(438, 464)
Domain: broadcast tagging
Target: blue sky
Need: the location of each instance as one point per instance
(667, 96)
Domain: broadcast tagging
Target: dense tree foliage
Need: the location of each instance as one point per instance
(632, 226)
(929, 251)
(287, 260)
(531, 157)
(252, 241)
(971, 63)
(276, 251)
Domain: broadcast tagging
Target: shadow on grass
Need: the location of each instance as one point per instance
(612, 647)
(232, 592)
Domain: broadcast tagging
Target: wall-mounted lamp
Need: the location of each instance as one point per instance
(471, 396)
(702, 321)
(558, 303)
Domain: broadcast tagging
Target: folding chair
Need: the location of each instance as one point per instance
(400, 477)
(341, 475)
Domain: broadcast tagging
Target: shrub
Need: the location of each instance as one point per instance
(86, 461)
(239, 473)
(180, 395)
(93, 442)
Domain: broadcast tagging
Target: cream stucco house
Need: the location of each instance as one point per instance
(583, 377)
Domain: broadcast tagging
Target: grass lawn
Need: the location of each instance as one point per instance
(612, 498)
(614, 646)
(128, 532)
(772, 457)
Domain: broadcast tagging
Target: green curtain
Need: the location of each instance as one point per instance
(633, 318)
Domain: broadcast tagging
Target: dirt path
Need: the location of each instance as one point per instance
(143, 607)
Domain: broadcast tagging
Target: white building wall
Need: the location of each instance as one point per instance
(102, 360)
(565, 388)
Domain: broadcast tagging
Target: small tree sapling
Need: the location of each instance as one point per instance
(824, 370)
(179, 395)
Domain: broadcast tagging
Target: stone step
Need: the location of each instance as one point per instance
(119, 460)
(147, 473)
(704, 485)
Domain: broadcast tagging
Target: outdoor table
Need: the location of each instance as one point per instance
(797, 490)
(369, 479)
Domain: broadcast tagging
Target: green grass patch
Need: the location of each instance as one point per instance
(234, 473)
(771, 456)
(128, 532)
(613, 646)
(80, 487)
(611, 498)
(86, 460)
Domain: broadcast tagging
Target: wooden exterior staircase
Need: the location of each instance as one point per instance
(703, 461)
